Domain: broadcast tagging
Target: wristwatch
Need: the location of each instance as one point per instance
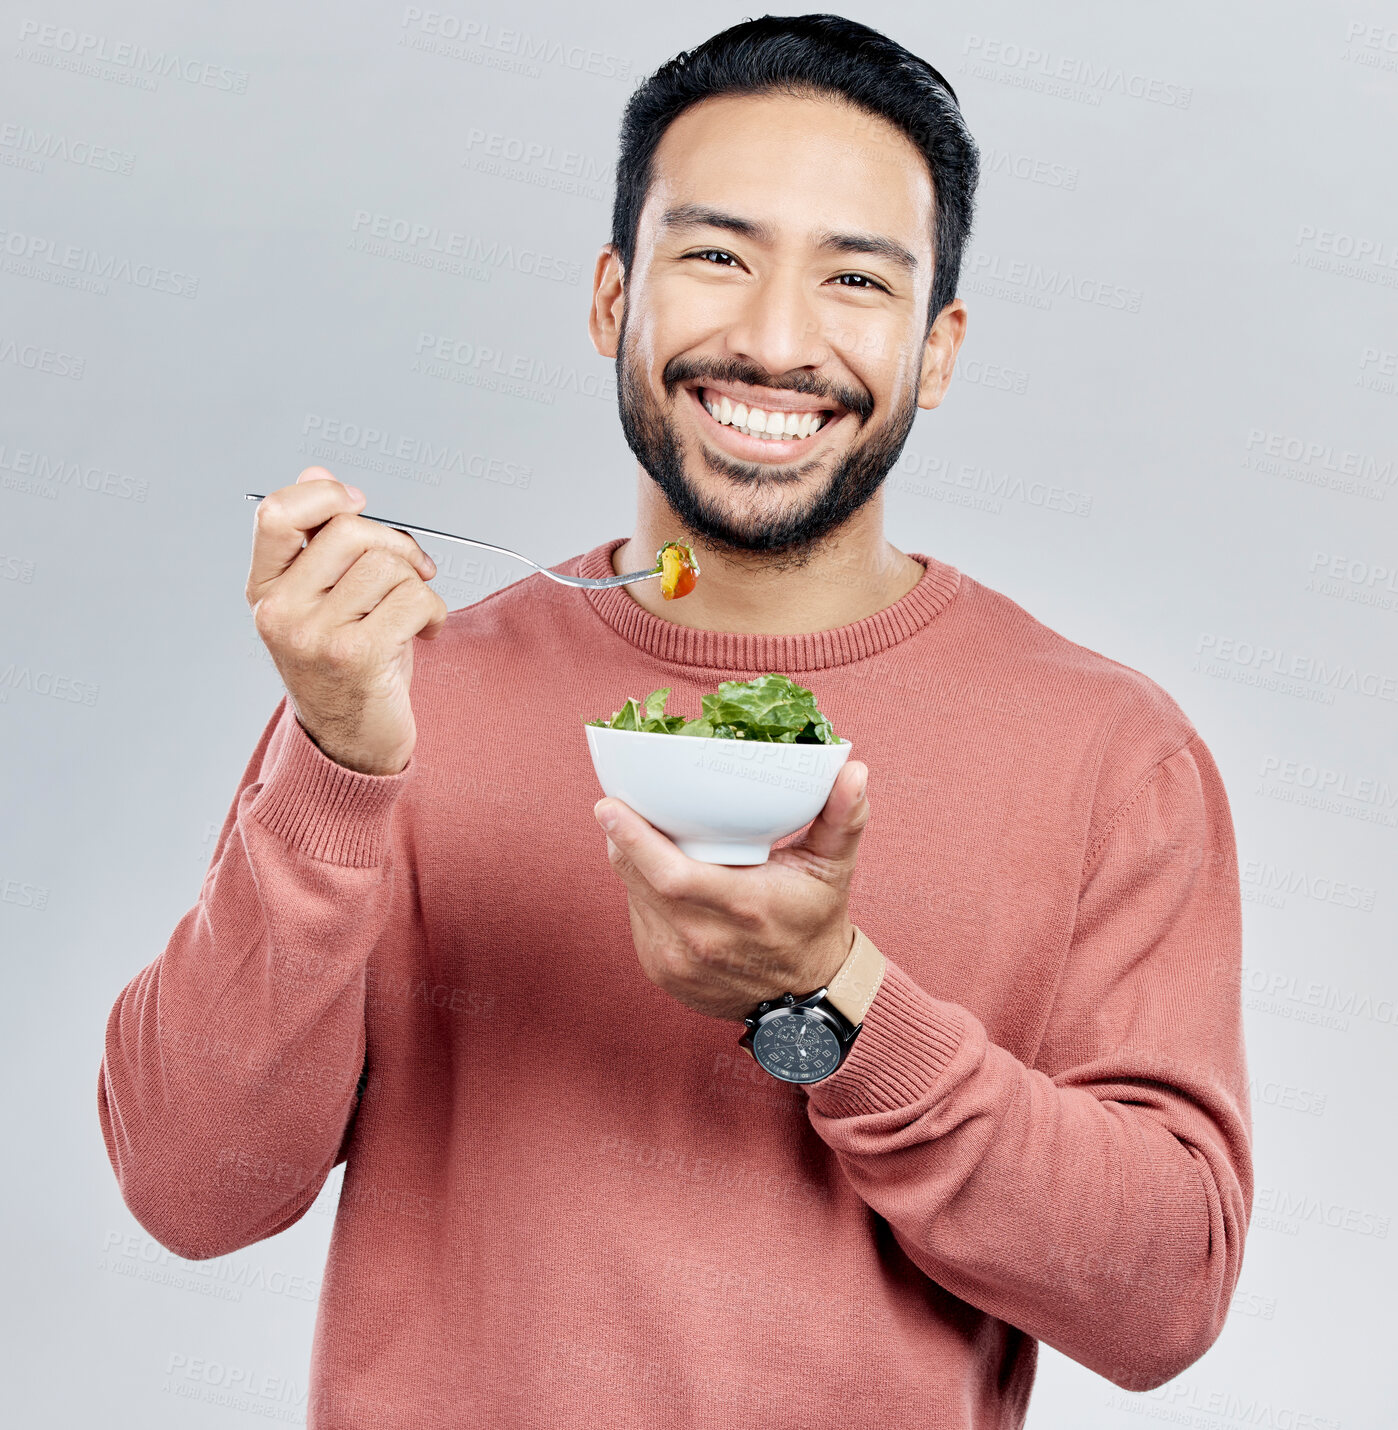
(805, 1039)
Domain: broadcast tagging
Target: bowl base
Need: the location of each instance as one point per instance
(714, 851)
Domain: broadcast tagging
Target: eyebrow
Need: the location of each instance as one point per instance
(698, 216)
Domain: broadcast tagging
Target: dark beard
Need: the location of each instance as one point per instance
(794, 535)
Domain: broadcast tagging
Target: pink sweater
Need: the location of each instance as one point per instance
(569, 1200)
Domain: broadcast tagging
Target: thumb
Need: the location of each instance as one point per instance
(835, 831)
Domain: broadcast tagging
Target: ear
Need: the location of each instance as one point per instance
(604, 317)
(939, 354)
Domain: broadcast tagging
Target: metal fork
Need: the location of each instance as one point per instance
(593, 581)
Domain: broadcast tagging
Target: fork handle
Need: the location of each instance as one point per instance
(428, 531)
(590, 582)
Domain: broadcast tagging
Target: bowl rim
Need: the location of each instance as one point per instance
(720, 740)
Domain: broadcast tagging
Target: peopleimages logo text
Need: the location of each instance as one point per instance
(83, 46)
(534, 49)
(1092, 78)
(470, 247)
(40, 255)
(1340, 783)
(1329, 675)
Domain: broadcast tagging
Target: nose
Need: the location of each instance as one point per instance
(779, 326)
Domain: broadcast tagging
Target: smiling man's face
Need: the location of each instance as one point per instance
(782, 272)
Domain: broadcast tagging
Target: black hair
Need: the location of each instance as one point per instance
(804, 54)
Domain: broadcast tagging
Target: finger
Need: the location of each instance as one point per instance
(373, 575)
(640, 895)
(657, 865)
(286, 518)
(338, 545)
(835, 832)
(320, 474)
(437, 619)
(411, 608)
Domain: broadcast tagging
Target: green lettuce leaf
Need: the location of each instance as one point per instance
(772, 708)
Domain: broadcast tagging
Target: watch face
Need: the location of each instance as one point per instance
(796, 1047)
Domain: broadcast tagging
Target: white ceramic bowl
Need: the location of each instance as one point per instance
(721, 801)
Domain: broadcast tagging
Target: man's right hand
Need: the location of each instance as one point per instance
(337, 601)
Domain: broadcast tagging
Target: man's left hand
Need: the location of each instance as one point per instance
(723, 938)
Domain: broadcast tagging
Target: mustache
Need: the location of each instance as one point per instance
(685, 369)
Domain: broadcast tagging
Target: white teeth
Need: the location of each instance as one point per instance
(771, 426)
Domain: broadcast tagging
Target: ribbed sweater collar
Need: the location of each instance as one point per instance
(731, 651)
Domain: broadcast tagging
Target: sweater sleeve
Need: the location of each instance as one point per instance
(231, 1063)
(1098, 1200)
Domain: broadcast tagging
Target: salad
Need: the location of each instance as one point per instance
(677, 568)
(772, 707)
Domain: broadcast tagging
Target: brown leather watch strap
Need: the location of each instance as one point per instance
(852, 989)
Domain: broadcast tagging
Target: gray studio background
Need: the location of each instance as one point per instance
(1171, 437)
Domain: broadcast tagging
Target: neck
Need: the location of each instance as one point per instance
(852, 574)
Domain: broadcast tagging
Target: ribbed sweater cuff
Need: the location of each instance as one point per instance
(907, 1039)
(330, 812)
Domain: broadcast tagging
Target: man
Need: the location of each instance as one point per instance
(570, 1196)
